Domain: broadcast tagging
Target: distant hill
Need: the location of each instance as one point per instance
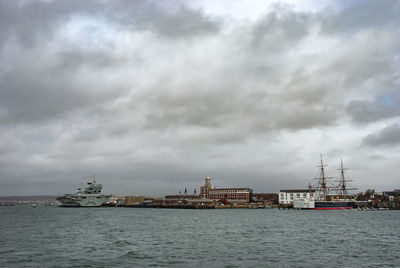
(27, 200)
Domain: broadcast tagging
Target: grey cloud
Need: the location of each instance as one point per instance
(365, 111)
(182, 23)
(32, 21)
(176, 94)
(308, 118)
(31, 95)
(71, 59)
(361, 15)
(388, 136)
(304, 89)
(281, 29)
(47, 84)
(241, 114)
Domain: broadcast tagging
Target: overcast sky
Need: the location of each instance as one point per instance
(154, 96)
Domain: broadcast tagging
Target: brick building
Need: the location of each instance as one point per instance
(210, 192)
(269, 198)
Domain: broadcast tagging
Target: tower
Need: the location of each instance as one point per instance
(204, 190)
(208, 182)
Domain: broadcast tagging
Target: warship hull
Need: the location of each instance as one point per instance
(90, 196)
(82, 200)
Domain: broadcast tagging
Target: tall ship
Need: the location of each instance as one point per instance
(326, 195)
(89, 196)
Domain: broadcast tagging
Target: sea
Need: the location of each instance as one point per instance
(48, 236)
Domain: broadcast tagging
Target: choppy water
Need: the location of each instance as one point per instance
(134, 237)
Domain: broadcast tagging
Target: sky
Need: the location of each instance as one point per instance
(154, 96)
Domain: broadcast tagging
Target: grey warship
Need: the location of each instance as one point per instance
(89, 196)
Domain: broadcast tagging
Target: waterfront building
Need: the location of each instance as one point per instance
(182, 196)
(131, 200)
(267, 198)
(289, 196)
(211, 192)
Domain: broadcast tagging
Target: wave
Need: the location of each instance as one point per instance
(120, 243)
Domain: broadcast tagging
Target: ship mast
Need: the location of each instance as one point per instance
(342, 181)
(324, 186)
(343, 186)
(323, 179)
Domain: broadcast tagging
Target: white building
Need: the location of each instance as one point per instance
(289, 196)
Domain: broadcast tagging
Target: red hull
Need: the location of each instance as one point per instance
(336, 208)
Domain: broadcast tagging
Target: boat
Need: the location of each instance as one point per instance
(327, 196)
(89, 196)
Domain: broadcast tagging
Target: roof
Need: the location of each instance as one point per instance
(297, 191)
(237, 201)
(200, 200)
(224, 189)
(181, 196)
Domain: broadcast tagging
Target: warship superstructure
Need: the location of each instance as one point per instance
(89, 196)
